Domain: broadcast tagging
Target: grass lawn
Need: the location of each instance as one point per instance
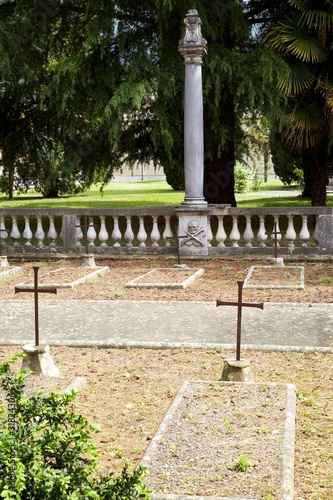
(145, 193)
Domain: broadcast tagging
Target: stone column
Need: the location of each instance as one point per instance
(192, 213)
(193, 47)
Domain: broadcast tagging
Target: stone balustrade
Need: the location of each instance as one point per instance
(231, 231)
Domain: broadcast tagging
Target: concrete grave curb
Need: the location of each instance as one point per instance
(287, 452)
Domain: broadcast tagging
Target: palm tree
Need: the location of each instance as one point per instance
(303, 37)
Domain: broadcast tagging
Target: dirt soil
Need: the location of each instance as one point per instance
(129, 390)
(218, 282)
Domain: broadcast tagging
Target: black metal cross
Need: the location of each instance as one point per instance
(239, 304)
(86, 226)
(177, 238)
(275, 233)
(36, 291)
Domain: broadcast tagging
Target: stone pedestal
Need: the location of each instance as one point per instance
(237, 371)
(278, 261)
(3, 261)
(324, 231)
(88, 260)
(193, 229)
(39, 361)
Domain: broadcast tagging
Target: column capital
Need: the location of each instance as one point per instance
(193, 46)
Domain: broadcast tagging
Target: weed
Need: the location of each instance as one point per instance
(228, 428)
(262, 430)
(243, 463)
(225, 268)
(175, 449)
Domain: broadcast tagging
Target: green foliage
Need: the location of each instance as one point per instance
(46, 450)
(242, 178)
(243, 463)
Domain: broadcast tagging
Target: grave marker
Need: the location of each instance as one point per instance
(177, 238)
(275, 233)
(86, 226)
(36, 291)
(239, 305)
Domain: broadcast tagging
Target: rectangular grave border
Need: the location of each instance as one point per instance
(188, 281)
(11, 271)
(97, 271)
(272, 286)
(287, 451)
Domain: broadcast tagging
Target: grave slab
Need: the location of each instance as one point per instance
(208, 425)
(151, 280)
(278, 271)
(52, 282)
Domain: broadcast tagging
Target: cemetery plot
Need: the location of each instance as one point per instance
(261, 277)
(166, 278)
(225, 439)
(66, 277)
(7, 272)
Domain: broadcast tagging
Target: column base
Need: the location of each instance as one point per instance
(39, 361)
(88, 260)
(237, 371)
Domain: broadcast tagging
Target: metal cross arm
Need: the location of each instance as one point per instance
(177, 238)
(275, 233)
(239, 304)
(36, 291)
(86, 226)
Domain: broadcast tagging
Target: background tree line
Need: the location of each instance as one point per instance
(87, 85)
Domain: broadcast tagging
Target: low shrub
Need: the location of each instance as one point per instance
(46, 450)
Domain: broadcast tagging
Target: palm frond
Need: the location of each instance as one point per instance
(316, 19)
(299, 44)
(309, 127)
(301, 77)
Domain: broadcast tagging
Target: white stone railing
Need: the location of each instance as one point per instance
(150, 230)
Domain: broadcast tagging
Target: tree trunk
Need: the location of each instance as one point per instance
(319, 177)
(307, 175)
(219, 180)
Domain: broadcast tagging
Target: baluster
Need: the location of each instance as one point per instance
(261, 235)
(276, 225)
(15, 233)
(235, 234)
(27, 234)
(155, 234)
(39, 234)
(304, 232)
(248, 233)
(52, 233)
(129, 235)
(142, 234)
(210, 236)
(116, 234)
(3, 237)
(3, 232)
(103, 235)
(79, 233)
(291, 233)
(220, 234)
(167, 234)
(91, 233)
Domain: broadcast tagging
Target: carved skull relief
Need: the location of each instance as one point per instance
(194, 234)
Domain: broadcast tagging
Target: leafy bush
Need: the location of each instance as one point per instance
(242, 177)
(46, 450)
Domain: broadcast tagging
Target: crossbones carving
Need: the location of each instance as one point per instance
(192, 234)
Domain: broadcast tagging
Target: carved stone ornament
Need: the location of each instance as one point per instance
(193, 46)
(194, 234)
